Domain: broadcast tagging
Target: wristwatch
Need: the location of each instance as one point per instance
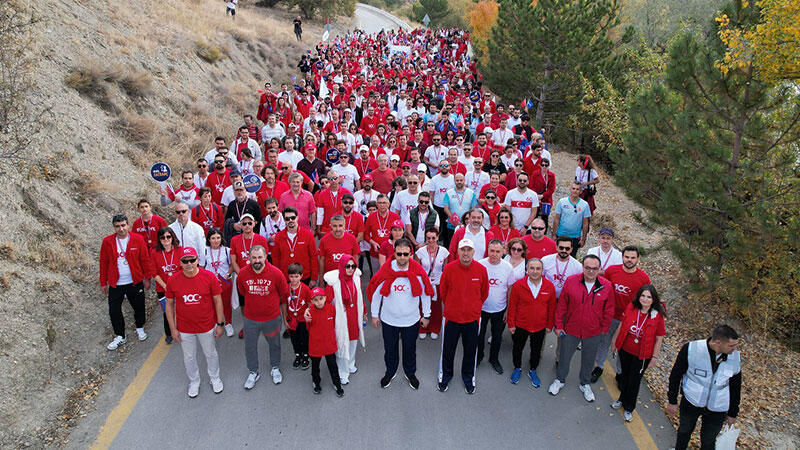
(220, 324)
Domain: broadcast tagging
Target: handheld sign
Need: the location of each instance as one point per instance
(160, 172)
(475, 96)
(252, 183)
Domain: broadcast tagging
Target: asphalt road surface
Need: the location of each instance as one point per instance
(371, 21)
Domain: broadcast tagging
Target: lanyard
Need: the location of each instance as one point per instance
(171, 259)
(605, 264)
(432, 260)
(560, 275)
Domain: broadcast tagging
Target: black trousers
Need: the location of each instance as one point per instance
(362, 257)
(630, 379)
(712, 424)
(241, 298)
(299, 338)
(330, 360)
(497, 325)
(520, 338)
(445, 233)
(135, 296)
(468, 333)
(391, 352)
(576, 242)
(167, 331)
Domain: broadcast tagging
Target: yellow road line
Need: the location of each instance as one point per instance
(641, 435)
(120, 413)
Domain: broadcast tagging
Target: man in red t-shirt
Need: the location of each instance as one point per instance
(335, 244)
(627, 279)
(218, 180)
(353, 221)
(241, 245)
(193, 305)
(538, 244)
(329, 202)
(266, 290)
(384, 175)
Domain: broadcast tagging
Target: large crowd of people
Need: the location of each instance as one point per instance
(387, 160)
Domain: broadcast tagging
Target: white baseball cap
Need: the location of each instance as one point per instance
(466, 243)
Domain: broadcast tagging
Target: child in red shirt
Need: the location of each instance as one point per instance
(320, 320)
(298, 302)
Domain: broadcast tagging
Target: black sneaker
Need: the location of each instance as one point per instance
(168, 340)
(317, 389)
(413, 381)
(596, 374)
(339, 392)
(286, 334)
(497, 367)
(387, 380)
(305, 362)
(296, 363)
(442, 387)
(469, 388)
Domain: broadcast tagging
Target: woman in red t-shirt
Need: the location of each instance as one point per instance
(386, 251)
(166, 259)
(502, 228)
(638, 340)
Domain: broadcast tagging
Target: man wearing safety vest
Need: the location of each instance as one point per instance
(708, 372)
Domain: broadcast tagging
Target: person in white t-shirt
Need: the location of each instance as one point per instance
(609, 256)
(438, 187)
(272, 129)
(501, 136)
(501, 277)
(231, 8)
(560, 265)
(407, 199)
(348, 174)
(523, 202)
(467, 158)
(476, 178)
(290, 156)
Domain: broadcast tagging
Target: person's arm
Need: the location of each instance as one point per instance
(160, 282)
(678, 370)
(284, 314)
(556, 220)
(735, 389)
(234, 265)
(511, 310)
(104, 261)
(169, 311)
(584, 231)
(409, 235)
(531, 216)
(321, 265)
(219, 314)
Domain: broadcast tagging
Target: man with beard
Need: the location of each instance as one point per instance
(335, 244)
(626, 279)
(236, 210)
(295, 244)
(538, 244)
(272, 223)
(219, 179)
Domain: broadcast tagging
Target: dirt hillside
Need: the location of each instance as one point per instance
(127, 88)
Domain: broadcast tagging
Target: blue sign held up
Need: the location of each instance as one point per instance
(252, 183)
(160, 171)
(474, 96)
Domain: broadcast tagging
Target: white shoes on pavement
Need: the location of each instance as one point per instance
(616, 404)
(251, 380)
(555, 387)
(588, 395)
(116, 342)
(194, 389)
(434, 336)
(229, 330)
(423, 336)
(141, 333)
(628, 416)
(216, 385)
(277, 377)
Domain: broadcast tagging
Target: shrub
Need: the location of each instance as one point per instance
(209, 53)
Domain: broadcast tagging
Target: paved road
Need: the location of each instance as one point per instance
(372, 21)
(291, 416)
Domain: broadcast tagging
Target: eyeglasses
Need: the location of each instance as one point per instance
(246, 224)
(181, 211)
(545, 165)
(202, 166)
(537, 228)
(516, 249)
(189, 261)
(347, 203)
(165, 237)
(219, 161)
(349, 266)
(561, 247)
(424, 202)
(290, 218)
(412, 182)
(401, 254)
(591, 268)
(490, 197)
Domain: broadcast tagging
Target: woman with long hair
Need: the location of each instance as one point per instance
(166, 258)
(586, 175)
(502, 229)
(516, 249)
(218, 261)
(432, 257)
(344, 291)
(638, 341)
(284, 112)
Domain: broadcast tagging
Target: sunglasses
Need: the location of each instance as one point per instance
(165, 237)
(219, 162)
(347, 203)
(592, 268)
(537, 228)
(189, 261)
(290, 218)
(202, 166)
(349, 266)
(412, 182)
(402, 254)
(490, 197)
(516, 249)
(424, 202)
(247, 224)
(545, 165)
(561, 247)
(181, 211)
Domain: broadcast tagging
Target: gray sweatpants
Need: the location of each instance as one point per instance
(569, 344)
(271, 330)
(602, 351)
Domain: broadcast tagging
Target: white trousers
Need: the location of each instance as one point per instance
(346, 365)
(189, 347)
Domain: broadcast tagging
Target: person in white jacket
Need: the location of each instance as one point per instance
(344, 291)
(397, 292)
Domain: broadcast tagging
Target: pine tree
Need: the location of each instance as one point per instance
(437, 10)
(713, 156)
(538, 52)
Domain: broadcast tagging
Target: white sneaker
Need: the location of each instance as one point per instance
(194, 389)
(229, 330)
(616, 405)
(251, 380)
(434, 336)
(353, 369)
(423, 335)
(114, 344)
(587, 392)
(276, 375)
(216, 385)
(344, 381)
(141, 333)
(555, 387)
(628, 416)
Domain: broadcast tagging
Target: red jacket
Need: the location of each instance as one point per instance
(585, 314)
(137, 254)
(648, 339)
(538, 184)
(463, 291)
(528, 312)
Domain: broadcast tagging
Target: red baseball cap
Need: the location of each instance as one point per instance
(397, 224)
(188, 251)
(405, 164)
(367, 177)
(317, 291)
